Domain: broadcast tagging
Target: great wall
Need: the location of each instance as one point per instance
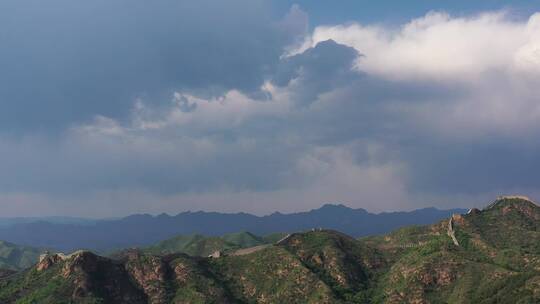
(244, 251)
(451, 232)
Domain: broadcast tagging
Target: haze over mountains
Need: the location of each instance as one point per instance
(143, 230)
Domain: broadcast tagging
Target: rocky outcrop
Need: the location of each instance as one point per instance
(47, 260)
(151, 275)
(90, 274)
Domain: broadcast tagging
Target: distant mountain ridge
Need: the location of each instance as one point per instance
(143, 229)
(10, 221)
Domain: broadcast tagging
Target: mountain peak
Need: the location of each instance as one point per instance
(508, 200)
(334, 207)
(504, 205)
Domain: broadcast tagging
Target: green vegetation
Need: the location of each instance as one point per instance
(199, 245)
(272, 275)
(36, 287)
(194, 245)
(274, 237)
(17, 257)
(497, 261)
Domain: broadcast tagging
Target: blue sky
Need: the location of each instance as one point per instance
(117, 107)
(396, 12)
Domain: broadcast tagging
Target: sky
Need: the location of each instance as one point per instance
(110, 108)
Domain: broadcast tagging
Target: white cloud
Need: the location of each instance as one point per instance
(438, 46)
(527, 57)
(489, 62)
(226, 111)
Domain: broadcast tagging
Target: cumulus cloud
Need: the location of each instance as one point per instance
(495, 76)
(440, 46)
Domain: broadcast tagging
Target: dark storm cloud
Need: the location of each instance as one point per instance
(322, 68)
(165, 166)
(64, 61)
(476, 167)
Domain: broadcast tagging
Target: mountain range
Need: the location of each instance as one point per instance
(484, 256)
(144, 229)
(16, 257)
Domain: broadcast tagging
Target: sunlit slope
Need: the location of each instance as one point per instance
(497, 259)
(199, 245)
